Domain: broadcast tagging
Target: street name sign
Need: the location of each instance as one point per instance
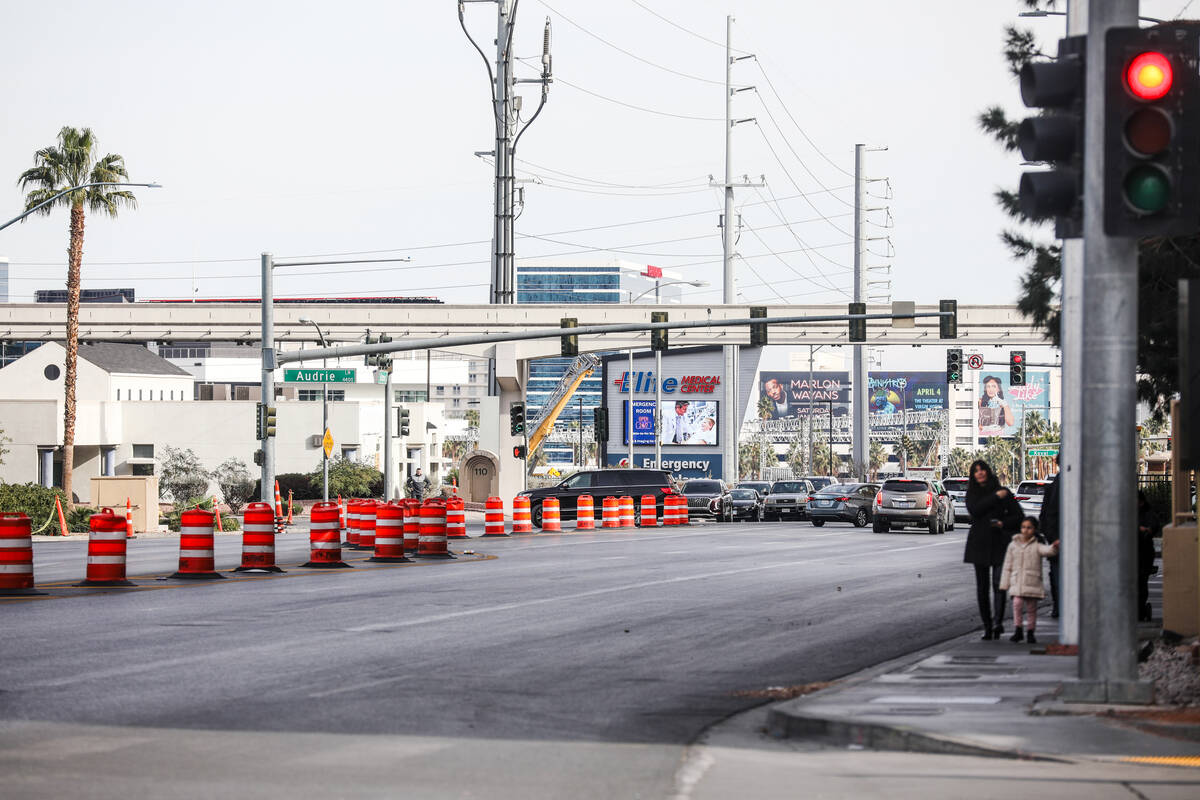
(318, 375)
(1043, 452)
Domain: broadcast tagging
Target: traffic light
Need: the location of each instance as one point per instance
(519, 451)
(402, 420)
(268, 421)
(260, 428)
(516, 419)
(370, 359)
(1016, 368)
(858, 327)
(758, 330)
(948, 326)
(954, 365)
(258, 457)
(600, 423)
(384, 360)
(1055, 138)
(658, 338)
(1151, 132)
(570, 344)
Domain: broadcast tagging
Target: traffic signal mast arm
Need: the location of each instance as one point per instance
(442, 342)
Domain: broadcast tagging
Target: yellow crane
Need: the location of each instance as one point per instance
(581, 368)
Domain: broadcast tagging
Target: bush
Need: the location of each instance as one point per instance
(32, 500)
(302, 486)
(182, 476)
(79, 518)
(235, 484)
(349, 479)
(228, 523)
(1158, 494)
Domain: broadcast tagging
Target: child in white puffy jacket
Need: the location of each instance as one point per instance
(1021, 577)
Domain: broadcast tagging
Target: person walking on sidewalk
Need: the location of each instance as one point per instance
(1049, 530)
(995, 517)
(1022, 577)
(1148, 528)
(417, 486)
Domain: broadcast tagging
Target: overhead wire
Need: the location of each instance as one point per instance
(674, 24)
(782, 104)
(783, 167)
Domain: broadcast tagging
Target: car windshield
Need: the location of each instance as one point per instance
(955, 484)
(905, 486)
(702, 487)
(1032, 488)
(788, 487)
(744, 494)
(838, 489)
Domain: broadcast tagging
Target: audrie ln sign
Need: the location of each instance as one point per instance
(318, 375)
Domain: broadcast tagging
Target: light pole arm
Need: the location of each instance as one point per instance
(68, 191)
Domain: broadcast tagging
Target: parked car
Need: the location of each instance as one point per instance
(700, 492)
(901, 502)
(820, 481)
(762, 487)
(957, 487)
(788, 499)
(1030, 494)
(746, 504)
(843, 502)
(601, 483)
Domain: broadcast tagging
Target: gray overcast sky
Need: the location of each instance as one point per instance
(306, 128)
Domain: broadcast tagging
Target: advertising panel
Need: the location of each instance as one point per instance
(1001, 407)
(785, 395)
(685, 422)
(889, 392)
(685, 466)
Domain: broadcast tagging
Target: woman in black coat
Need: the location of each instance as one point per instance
(995, 517)
(1148, 528)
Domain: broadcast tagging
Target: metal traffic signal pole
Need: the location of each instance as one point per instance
(1108, 669)
(266, 491)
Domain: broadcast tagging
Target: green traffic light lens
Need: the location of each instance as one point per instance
(1147, 189)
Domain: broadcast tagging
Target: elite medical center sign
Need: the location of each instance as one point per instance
(687, 384)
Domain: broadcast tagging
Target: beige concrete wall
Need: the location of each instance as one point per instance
(141, 492)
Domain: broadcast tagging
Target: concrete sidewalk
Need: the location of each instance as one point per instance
(974, 697)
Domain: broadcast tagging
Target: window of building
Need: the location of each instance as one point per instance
(160, 395)
(456, 389)
(441, 391)
(143, 451)
(410, 396)
(964, 440)
(309, 395)
(964, 423)
(118, 394)
(455, 403)
(964, 404)
(142, 470)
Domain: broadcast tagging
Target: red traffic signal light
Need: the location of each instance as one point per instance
(519, 451)
(1018, 358)
(1149, 76)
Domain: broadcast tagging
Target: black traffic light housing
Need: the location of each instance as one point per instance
(1055, 138)
(658, 338)
(954, 365)
(758, 330)
(1187, 435)
(1016, 368)
(402, 417)
(600, 423)
(948, 326)
(570, 344)
(858, 327)
(516, 419)
(370, 359)
(1151, 132)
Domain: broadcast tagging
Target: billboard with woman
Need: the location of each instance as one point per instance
(1001, 407)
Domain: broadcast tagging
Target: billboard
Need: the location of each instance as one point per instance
(685, 422)
(890, 392)
(1001, 407)
(785, 395)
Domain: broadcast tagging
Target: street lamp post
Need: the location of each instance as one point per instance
(658, 284)
(324, 412)
(74, 189)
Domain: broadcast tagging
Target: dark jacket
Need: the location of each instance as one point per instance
(1147, 519)
(986, 544)
(1048, 519)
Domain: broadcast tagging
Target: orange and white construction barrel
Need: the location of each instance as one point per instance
(106, 551)
(649, 511)
(324, 538)
(610, 513)
(627, 515)
(16, 555)
(412, 524)
(197, 559)
(551, 514)
(682, 510)
(670, 510)
(585, 513)
(389, 533)
(433, 530)
(522, 521)
(456, 518)
(366, 525)
(493, 520)
(258, 539)
(350, 531)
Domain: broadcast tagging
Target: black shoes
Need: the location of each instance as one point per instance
(987, 635)
(997, 631)
(1018, 635)
(1031, 638)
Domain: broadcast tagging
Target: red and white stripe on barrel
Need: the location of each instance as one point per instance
(456, 518)
(610, 513)
(16, 554)
(351, 529)
(626, 511)
(671, 510)
(324, 538)
(585, 513)
(366, 525)
(106, 550)
(551, 515)
(649, 511)
(433, 530)
(522, 521)
(258, 539)
(196, 555)
(493, 520)
(412, 525)
(389, 533)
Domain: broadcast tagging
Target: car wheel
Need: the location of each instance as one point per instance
(935, 525)
(770, 517)
(818, 523)
(860, 519)
(881, 526)
(535, 515)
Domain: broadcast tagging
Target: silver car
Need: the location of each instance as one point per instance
(957, 487)
(787, 499)
(1030, 495)
(907, 501)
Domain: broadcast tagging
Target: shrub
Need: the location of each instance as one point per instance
(228, 523)
(302, 486)
(349, 479)
(233, 479)
(32, 500)
(79, 518)
(1158, 494)
(182, 476)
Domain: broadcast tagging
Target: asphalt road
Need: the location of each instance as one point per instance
(638, 639)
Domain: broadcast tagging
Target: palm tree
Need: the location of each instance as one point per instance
(875, 458)
(73, 162)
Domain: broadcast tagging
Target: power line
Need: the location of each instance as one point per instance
(779, 161)
(634, 107)
(674, 24)
(797, 124)
(783, 136)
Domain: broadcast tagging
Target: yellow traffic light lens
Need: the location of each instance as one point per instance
(1149, 76)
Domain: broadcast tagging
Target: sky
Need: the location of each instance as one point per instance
(315, 130)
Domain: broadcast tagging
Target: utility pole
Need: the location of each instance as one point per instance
(729, 451)
(388, 455)
(1108, 669)
(858, 381)
(267, 489)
